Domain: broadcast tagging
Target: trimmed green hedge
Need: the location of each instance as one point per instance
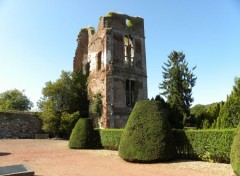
(110, 138)
(107, 138)
(209, 145)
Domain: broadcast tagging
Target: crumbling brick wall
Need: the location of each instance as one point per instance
(115, 59)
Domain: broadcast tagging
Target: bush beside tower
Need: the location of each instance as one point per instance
(147, 137)
(82, 136)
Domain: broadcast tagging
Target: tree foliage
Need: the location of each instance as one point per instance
(204, 116)
(14, 100)
(177, 84)
(197, 116)
(213, 112)
(160, 99)
(96, 106)
(63, 102)
(229, 116)
(235, 152)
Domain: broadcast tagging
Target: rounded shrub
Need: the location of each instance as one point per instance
(235, 152)
(147, 136)
(82, 136)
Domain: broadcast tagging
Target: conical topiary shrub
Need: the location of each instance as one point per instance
(82, 136)
(235, 152)
(147, 136)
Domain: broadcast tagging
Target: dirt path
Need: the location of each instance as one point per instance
(53, 158)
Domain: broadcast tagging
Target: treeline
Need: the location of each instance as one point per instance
(176, 87)
(220, 115)
(63, 102)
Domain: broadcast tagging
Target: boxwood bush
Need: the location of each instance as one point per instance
(83, 136)
(147, 136)
(235, 153)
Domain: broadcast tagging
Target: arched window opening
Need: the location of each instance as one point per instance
(128, 51)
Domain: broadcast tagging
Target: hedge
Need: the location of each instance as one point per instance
(209, 145)
(110, 138)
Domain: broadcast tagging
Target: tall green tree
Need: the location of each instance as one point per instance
(63, 103)
(229, 116)
(14, 100)
(197, 116)
(177, 84)
(213, 111)
(204, 116)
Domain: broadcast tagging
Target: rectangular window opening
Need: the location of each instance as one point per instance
(99, 61)
(130, 93)
(87, 68)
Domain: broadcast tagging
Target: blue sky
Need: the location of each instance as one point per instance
(38, 40)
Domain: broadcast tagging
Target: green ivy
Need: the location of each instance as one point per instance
(96, 106)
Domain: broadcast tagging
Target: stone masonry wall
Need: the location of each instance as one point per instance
(19, 125)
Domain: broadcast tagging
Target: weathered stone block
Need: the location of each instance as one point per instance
(16, 170)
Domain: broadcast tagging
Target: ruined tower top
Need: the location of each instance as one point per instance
(134, 25)
(114, 58)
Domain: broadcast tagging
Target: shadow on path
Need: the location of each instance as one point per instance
(4, 153)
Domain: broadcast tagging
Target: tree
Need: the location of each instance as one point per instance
(14, 100)
(177, 87)
(63, 102)
(229, 116)
(80, 101)
(50, 117)
(204, 116)
(212, 112)
(160, 99)
(235, 152)
(198, 114)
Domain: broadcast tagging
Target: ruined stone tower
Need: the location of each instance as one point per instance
(114, 57)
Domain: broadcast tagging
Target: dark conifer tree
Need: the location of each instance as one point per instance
(229, 116)
(177, 84)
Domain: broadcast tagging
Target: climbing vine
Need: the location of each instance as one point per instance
(96, 105)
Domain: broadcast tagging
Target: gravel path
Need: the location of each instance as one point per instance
(53, 158)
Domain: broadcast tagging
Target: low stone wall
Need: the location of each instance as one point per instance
(19, 125)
